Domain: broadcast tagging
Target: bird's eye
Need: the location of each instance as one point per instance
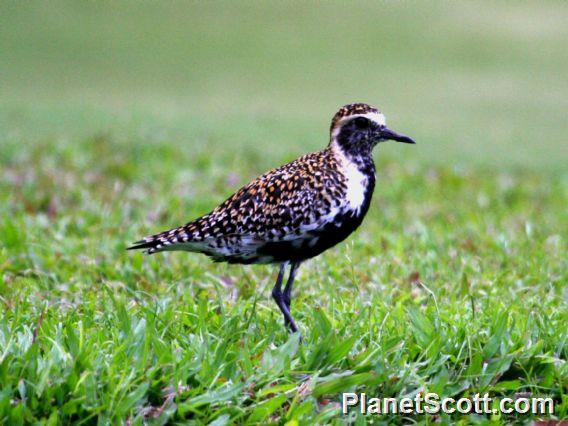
(361, 122)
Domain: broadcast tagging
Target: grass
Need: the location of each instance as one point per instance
(455, 284)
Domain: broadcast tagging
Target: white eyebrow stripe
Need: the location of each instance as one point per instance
(377, 117)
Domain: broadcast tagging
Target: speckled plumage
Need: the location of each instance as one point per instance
(277, 217)
(294, 212)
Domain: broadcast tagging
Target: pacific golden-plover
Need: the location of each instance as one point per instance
(294, 212)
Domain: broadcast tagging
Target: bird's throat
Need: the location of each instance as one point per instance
(351, 155)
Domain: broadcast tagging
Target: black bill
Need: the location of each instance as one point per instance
(389, 134)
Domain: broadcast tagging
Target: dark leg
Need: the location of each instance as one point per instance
(279, 299)
(290, 283)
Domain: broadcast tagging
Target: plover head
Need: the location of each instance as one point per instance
(357, 128)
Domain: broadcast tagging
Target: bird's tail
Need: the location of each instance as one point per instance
(149, 246)
(163, 241)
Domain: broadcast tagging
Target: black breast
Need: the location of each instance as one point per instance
(317, 241)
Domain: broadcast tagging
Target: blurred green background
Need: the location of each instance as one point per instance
(472, 82)
(122, 119)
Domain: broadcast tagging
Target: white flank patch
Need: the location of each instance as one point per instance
(356, 186)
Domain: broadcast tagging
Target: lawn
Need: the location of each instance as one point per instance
(119, 120)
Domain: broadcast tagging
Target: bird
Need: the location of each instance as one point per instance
(294, 212)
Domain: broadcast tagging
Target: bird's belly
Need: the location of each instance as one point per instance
(313, 242)
(336, 231)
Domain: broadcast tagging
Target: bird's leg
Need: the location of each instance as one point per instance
(279, 299)
(290, 283)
